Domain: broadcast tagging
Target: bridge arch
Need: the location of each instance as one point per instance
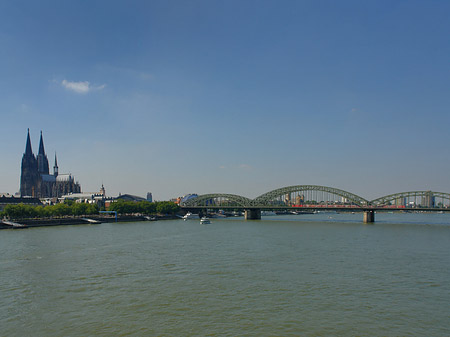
(218, 199)
(270, 197)
(423, 198)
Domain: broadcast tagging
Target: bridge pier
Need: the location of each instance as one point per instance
(252, 214)
(369, 216)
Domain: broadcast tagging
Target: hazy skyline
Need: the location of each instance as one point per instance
(242, 97)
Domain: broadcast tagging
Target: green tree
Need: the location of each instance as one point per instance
(92, 209)
(167, 207)
(79, 208)
(147, 207)
(124, 207)
(41, 211)
(10, 211)
(62, 210)
(69, 202)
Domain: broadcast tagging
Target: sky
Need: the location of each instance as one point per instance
(242, 97)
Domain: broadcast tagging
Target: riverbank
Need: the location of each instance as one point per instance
(65, 221)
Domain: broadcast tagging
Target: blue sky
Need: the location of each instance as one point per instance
(242, 97)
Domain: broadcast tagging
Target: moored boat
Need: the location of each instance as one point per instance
(204, 221)
(190, 216)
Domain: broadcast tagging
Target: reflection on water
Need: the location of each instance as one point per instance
(319, 274)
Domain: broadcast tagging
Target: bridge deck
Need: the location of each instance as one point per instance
(348, 208)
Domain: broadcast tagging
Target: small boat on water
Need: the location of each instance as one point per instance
(190, 216)
(217, 215)
(204, 221)
(91, 221)
(11, 223)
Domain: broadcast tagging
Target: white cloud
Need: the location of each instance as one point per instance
(81, 87)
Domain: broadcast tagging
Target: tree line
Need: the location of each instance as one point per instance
(21, 211)
(70, 208)
(144, 207)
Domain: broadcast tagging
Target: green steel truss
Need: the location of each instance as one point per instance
(267, 198)
(413, 194)
(206, 200)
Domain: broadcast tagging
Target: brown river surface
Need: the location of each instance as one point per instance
(302, 275)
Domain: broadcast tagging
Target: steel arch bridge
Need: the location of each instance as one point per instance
(427, 196)
(351, 202)
(268, 198)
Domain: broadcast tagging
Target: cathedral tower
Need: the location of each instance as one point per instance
(42, 160)
(29, 177)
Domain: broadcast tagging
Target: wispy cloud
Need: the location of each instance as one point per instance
(245, 167)
(81, 87)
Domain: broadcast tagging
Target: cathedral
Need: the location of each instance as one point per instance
(36, 180)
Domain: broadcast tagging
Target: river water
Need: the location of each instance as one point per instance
(306, 275)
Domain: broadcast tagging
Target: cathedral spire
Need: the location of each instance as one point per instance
(42, 160)
(41, 146)
(55, 167)
(29, 175)
(28, 150)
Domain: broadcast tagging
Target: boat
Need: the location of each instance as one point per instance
(190, 216)
(12, 224)
(204, 221)
(305, 212)
(91, 221)
(217, 215)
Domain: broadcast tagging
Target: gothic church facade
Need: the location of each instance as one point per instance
(36, 180)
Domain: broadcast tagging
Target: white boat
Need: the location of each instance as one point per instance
(11, 223)
(204, 221)
(190, 216)
(91, 221)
